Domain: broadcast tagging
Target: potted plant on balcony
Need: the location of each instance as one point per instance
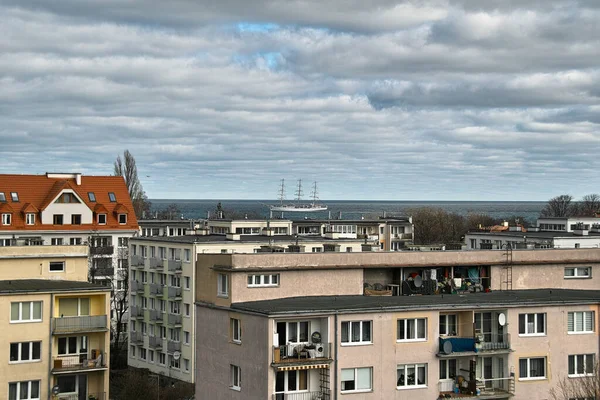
(92, 397)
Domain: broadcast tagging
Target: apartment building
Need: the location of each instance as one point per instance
(557, 233)
(70, 209)
(56, 328)
(326, 326)
(163, 284)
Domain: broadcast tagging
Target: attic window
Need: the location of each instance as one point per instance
(92, 197)
(2, 197)
(112, 197)
(67, 198)
(14, 196)
(101, 219)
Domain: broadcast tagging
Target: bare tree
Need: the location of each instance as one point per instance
(437, 226)
(559, 206)
(589, 205)
(584, 387)
(127, 168)
(171, 212)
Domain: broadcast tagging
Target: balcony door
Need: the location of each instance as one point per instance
(75, 385)
(293, 332)
(487, 324)
(289, 383)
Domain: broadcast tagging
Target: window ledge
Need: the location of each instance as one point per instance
(236, 388)
(579, 375)
(410, 340)
(357, 391)
(581, 333)
(408, 387)
(578, 277)
(532, 334)
(533, 379)
(353, 344)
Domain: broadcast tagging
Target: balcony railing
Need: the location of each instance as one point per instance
(175, 265)
(155, 342)
(77, 362)
(173, 346)
(137, 261)
(403, 236)
(174, 292)
(96, 323)
(156, 263)
(320, 395)
(156, 316)
(301, 352)
(90, 396)
(136, 337)
(136, 312)
(174, 319)
(494, 341)
(104, 271)
(101, 250)
(496, 386)
(156, 289)
(137, 286)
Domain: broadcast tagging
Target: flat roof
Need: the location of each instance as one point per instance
(447, 302)
(46, 285)
(287, 239)
(529, 234)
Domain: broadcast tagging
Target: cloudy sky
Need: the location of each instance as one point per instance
(381, 99)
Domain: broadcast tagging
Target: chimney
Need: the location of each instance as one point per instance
(60, 175)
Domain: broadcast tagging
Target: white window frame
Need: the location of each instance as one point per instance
(356, 383)
(586, 363)
(187, 255)
(573, 315)
(222, 280)
(125, 219)
(80, 343)
(447, 324)
(30, 218)
(143, 353)
(30, 305)
(415, 333)
(186, 365)
(162, 358)
(186, 337)
(533, 378)
(6, 218)
(19, 359)
(236, 330)
(29, 383)
(188, 284)
(104, 218)
(175, 364)
(235, 374)
(351, 326)
(258, 280)
(535, 324)
(447, 362)
(56, 264)
(406, 385)
(586, 272)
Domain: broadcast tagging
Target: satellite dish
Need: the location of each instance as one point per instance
(176, 355)
(447, 347)
(55, 390)
(502, 319)
(418, 281)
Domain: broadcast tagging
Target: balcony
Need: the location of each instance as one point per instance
(90, 396)
(174, 292)
(96, 323)
(156, 263)
(78, 362)
(494, 342)
(155, 342)
(489, 389)
(156, 316)
(137, 286)
(302, 353)
(402, 236)
(136, 337)
(174, 266)
(174, 319)
(173, 346)
(102, 250)
(323, 394)
(136, 312)
(469, 346)
(137, 261)
(156, 289)
(104, 271)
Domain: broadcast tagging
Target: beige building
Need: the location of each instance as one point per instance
(56, 333)
(163, 285)
(322, 334)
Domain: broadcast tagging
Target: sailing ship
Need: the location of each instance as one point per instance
(298, 206)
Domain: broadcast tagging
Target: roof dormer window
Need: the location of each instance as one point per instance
(2, 197)
(112, 197)
(92, 197)
(101, 219)
(14, 196)
(122, 219)
(30, 219)
(6, 219)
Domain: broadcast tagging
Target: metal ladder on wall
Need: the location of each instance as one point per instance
(508, 265)
(325, 393)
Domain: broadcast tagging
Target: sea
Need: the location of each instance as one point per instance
(351, 209)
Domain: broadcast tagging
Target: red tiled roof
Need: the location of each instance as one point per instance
(36, 192)
(120, 209)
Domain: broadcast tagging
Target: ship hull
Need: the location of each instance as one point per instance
(299, 208)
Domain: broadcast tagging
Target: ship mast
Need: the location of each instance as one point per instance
(299, 191)
(315, 197)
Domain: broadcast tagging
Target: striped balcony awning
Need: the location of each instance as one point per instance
(298, 367)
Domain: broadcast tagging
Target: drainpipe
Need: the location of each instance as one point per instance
(50, 345)
(335, 360)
